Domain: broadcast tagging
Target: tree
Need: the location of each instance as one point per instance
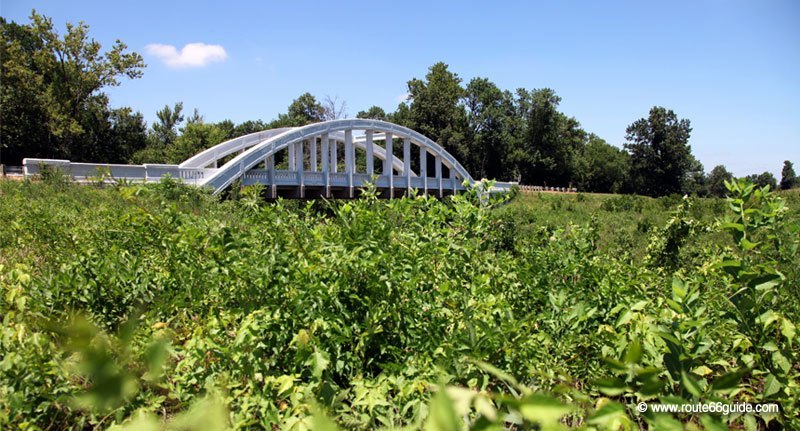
(788, 177)
(306, 110)
(303, 110)
(169, 143)
(660, 153)
(486, 146)
(763, 180)
(195, 137)
(401, 116)
(374, 113)
(715, 182)
(435, 110)
(165, 131)
(333, 109)
(247, 128)
(601, 167)
(123, 133)
(52, 104)
(547, 140)
(694, 181)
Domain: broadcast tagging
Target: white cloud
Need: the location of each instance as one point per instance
(192, 54)
(403, 97)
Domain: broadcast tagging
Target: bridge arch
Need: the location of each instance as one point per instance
(260, 147)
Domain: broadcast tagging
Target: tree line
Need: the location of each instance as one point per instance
(53, 106)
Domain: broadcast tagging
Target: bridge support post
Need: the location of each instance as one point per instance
(334, 155)
(387, 163)
(423, 168)
(299, 165)
(438, 164)
(292, 153)
(349, 162)
(370, 156)
(407, 164)
(270, 164)
(454, 180)
(312, 147)
(326, 166)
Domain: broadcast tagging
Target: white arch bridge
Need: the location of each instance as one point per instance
(329, 159)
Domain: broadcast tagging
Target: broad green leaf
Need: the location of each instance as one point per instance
(710, 423)
(747, 245)
(678, 288)
(610, 416)
(750, 423)
(319, 362)
(614, 364)
(543, 409)
(691, 384)
(788, 329)
(461, 398)
(674, 306)
(500, 374)
(624, 318)
(634, 353)
(321, 421)
(732, 226)
(441, 414)
(665, 422)
(780, 361)
(611, 386)
(771, 386)
(729, 381)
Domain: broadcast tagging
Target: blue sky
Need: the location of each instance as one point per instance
(731, 67)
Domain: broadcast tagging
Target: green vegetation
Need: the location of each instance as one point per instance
(150, 307)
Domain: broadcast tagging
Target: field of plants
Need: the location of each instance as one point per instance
(161, 307)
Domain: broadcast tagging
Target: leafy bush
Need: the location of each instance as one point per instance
(158, 306)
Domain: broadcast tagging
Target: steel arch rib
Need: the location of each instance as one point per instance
(240, 164)
(209, 155)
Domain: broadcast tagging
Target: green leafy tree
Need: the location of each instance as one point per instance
(764, 179)
(660, 153)
(548, 140)
(715, 182)
(122, 134)
(170, 143)
(694, 181)
(165, 131)
(374, 113)
(601, 167)
(247, 128)
(788, 177)
(305, 110)
(162, 136)
(196, 137)
(401, 116)
(52, 100)
(435, 109)
(487, 144)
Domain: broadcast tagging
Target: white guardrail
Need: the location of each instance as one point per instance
(88, 171)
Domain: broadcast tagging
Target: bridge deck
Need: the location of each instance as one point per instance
(298, 184)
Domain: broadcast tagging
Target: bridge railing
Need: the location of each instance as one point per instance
(87, 171)
(83, 172)
(526, 188)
